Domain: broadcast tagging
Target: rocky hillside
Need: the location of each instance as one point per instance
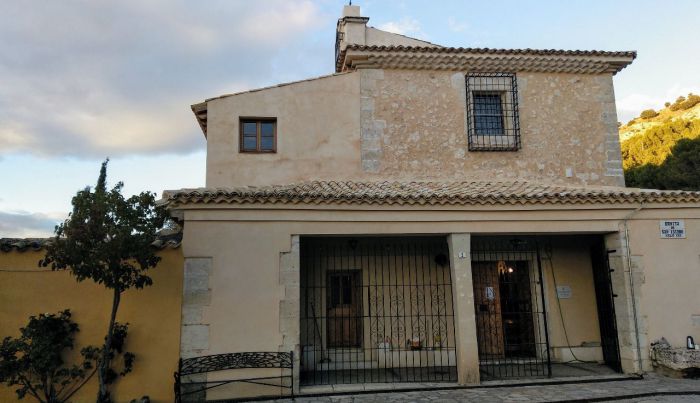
(661, 149)
(640, 124)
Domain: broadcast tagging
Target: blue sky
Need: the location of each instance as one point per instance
(84, 80)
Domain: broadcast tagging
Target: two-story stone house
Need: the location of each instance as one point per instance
(431, 214)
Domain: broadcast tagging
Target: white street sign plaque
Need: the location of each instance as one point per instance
(672, 229)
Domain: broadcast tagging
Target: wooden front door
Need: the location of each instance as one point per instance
(487, 303)
(344, 309)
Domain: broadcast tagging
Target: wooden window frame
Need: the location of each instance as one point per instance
(258, 139)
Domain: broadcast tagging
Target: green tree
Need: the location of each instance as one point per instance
(107, 239)
(648, 114)
(680, 171)
(655, 144)
(683, 103)
(35, 360)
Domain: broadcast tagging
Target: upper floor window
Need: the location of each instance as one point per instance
(258, 135)
(492, 112)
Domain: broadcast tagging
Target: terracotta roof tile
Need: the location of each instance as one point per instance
(424, 193)
(483, 59)
(527, 51)
(170, 240)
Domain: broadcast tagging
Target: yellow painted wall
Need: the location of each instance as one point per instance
(570, 260)
(153, 315)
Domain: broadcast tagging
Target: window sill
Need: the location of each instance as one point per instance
(493, 143)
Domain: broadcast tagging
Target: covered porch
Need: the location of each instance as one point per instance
(292, 269)
(386, 309)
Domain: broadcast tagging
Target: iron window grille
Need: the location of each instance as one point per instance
(492, 112)
(258, 135)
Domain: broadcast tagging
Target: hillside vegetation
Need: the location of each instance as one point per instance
(661, 149)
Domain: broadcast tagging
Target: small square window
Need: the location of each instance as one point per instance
(488, 114)
(492, 112)
(258, 135)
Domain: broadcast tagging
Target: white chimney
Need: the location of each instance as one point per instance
(351, 28)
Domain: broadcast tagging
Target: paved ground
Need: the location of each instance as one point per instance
(650, 389)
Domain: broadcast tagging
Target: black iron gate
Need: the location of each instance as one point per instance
(510, 312)
(604, 296)
(376, 309)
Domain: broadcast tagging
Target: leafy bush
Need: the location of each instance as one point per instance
(683, 103)
(648, 114)
(677, 104)
(35, 360)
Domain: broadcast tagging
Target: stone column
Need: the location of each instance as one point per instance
(463, 300)
(290, 305)
(196, 296)
(194, 331)
(624, 308)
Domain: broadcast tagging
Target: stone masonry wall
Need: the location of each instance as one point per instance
(414, 127)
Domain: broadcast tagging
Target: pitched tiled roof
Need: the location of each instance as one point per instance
(529, 52)
(424, 193)
(483, 59)
(170, 240)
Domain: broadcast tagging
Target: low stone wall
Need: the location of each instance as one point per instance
(675, 361)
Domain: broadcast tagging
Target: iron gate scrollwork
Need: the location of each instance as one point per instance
(376, 309)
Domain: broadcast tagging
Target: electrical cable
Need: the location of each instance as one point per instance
(561, 315)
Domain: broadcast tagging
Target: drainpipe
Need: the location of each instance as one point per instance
(631, 284)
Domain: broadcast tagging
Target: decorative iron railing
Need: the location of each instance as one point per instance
(196, 370)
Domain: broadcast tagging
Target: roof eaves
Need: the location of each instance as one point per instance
(528, 51)
(200, 113)
(426, 193)
(422, 57)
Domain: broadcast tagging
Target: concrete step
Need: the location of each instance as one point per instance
(345, 354)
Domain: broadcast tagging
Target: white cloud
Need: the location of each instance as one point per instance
(455, 26)
(21, 224)
(405, 26)
(117, 78)
(632, 105)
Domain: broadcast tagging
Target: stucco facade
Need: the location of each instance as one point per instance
(250, 259)
(410, 125)
(546, 257)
